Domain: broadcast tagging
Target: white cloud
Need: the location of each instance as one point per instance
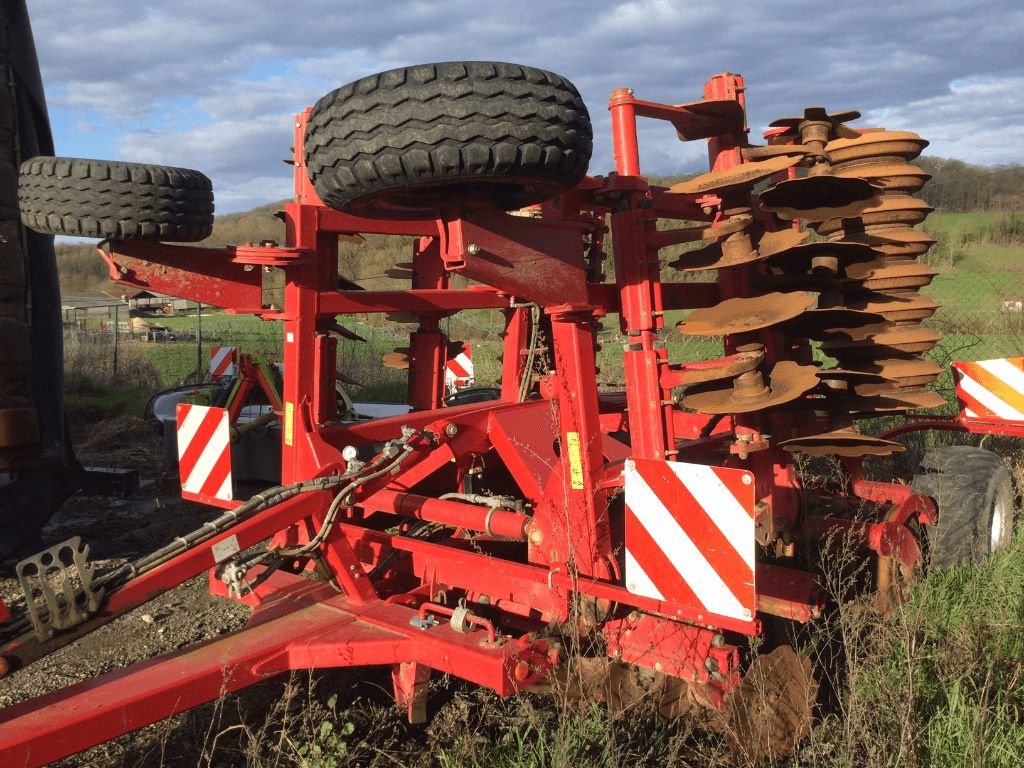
(214, 85)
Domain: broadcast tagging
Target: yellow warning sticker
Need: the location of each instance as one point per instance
(289, 417)
(572, 445)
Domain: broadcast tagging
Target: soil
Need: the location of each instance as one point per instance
(119, 530)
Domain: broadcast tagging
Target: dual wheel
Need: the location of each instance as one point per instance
(401, 144)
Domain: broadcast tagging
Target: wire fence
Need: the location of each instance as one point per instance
(981, 315)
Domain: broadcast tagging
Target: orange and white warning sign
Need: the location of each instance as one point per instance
(204, 452)
(991, 389)
(690, 536)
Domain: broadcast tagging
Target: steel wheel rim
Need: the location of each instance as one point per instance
(1000, 516)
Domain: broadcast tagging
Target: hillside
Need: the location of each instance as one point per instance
(956, 187)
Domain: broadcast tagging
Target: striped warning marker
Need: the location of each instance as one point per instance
(690, 535)
(991, 388)
(204, 451)
(458, 371)
(222, 362)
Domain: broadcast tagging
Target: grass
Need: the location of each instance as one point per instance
(936, 683)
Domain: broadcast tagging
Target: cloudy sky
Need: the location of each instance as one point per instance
(212, 84)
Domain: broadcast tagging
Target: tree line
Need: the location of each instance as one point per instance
(955, 186)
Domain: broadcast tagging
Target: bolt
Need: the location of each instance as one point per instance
(718, 640)
(711, 664)
(747, 479)
(473, 249)
(451, 430)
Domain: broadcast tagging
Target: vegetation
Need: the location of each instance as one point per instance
(937, 680)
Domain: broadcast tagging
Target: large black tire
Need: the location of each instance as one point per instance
(119, 201)
(404, 143)
(974, 495)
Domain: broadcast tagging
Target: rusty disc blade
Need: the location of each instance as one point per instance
(758, 154)
(772, 710)
(916, 397)
(727, 367)
(817, 198)
(894, 209)
(714, 256)
(880, 146)
(899, 243)
(746, 313)
(883, 275)
(822, 256)
(842, 442)
(733, 179)
(845, 378)
(896, 307)
(899, 340)
(772, 243)
(906, 372)
(891, 177)
(397, 360)
(749, 392)
(836, 322)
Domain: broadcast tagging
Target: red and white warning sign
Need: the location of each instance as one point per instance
(222, 361)
(690, 535)
(204, 452)
(458, 371)
(991, 389)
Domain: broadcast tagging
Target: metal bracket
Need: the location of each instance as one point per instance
(57, 584)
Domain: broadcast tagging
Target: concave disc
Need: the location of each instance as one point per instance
(805, 257)
(733, 179)
(748, 392)
(836, 322)
(900, 340)
(897, 308)
(816, 198)
(396, 359)
(713, 256)
(906, 372)
(897, 243)
(887, 146)
(746, 313)
(891, 177)
(842, 442)
(883, 275)
(894, 209)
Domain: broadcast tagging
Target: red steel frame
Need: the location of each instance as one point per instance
(560, 556)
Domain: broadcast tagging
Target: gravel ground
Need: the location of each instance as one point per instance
(120, 530)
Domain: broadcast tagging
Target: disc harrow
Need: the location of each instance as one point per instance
(651, 531)
(854, 191)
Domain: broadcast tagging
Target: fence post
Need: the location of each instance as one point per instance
(116, 334)
(199, 343)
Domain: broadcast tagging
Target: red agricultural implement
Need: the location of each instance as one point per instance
(657, 526)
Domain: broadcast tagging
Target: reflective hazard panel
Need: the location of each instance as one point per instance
(690, 535)
(991, 389)
(204, 453)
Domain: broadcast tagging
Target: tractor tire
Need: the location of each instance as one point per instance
(974, 495)
(111, 200)
(405, 143)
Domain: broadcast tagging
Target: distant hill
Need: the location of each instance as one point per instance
(955, 187)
